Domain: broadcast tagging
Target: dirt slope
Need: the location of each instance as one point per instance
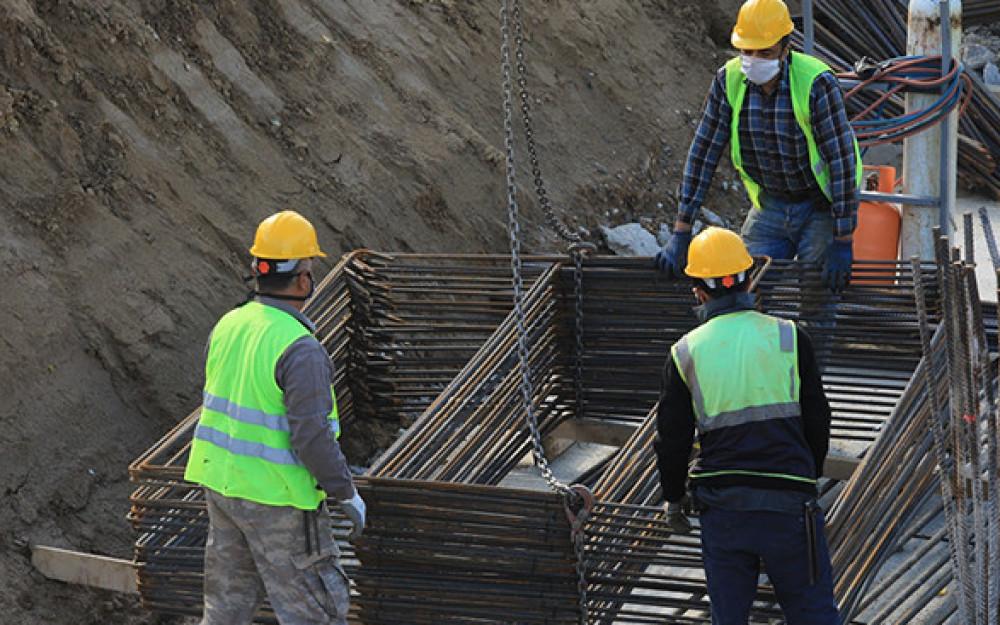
(143, 140)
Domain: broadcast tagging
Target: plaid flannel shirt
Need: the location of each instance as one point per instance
(775, 153)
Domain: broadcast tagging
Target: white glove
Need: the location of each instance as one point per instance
(355, 510)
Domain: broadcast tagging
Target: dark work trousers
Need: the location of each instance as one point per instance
(733, 544)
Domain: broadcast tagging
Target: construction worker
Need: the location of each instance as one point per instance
(782, 114)
(748, 384)
(266, 449)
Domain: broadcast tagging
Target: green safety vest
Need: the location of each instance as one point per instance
(803, 71)
(242, 444)
(743, 368)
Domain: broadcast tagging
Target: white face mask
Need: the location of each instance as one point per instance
(759, 71)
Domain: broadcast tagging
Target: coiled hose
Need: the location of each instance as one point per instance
(875, 124)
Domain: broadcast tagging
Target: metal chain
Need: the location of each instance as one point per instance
(579, 539)
(578, 500)
(515, 20)
(578, 254)
(578, 520)
(529, 134)
(515, 259)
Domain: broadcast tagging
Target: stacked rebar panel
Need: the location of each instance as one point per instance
(870, 340)
(980, 12)
(397, 328)
(471, 434)
(933, 470)
(893, 499)
(437, 552)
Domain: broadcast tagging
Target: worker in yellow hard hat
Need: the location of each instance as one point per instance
(782, 114)
(749, 386)
(266, 447)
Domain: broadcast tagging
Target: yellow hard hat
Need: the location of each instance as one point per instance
(761, 24)
(286, 235)
(717, 253)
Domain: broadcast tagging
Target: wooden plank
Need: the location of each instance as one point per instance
(86, 569)
(840, 466)
(594, 431)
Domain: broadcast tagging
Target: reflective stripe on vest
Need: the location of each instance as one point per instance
(243, 414)
(252, 416)
(740, 368)
(245, 448)
(242, 444)
(802, 73)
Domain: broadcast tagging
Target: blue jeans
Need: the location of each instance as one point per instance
(786, 230)
(803, 231)
(733, 544)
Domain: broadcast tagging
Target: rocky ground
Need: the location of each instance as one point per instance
(144, 139)
(981, 52)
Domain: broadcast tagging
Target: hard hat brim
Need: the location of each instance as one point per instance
(751, 43)
(257, 252)
(695, 273)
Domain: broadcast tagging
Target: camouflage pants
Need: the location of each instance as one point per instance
(287, 553)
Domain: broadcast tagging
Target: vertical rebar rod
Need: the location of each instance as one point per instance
(967, 231)
(947, 422)
(993, 472)
(991, 242)
(971, 429)
(938, 406)
(808, 26)
(946, 172)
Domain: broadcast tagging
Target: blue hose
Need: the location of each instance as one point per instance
(888, 129)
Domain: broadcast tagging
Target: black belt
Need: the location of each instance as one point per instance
(803, 196)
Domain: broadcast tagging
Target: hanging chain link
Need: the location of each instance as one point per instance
(578, 248)
(578, 330)
(577, 521)
(515, 260)
(578, 499)
(529, 133)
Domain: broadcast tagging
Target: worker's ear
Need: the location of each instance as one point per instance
(699, 294)
(303, 282)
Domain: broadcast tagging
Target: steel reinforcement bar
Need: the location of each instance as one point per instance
(386, 309)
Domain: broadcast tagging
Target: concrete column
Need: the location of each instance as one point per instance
(922, 153)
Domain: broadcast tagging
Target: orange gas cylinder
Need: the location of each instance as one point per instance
(877, 234)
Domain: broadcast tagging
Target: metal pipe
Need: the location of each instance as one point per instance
(808, 26)
(930, 158)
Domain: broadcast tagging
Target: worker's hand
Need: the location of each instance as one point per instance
(355, 510)
(673, 257)
(677, 516)
(837, 268)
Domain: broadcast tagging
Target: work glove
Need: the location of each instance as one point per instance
(355, 510)
(673, 257)
(837, 268)
(677, 513)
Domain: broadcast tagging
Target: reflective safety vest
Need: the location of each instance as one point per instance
(742, 369)
(802, 73)
(242, 445)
